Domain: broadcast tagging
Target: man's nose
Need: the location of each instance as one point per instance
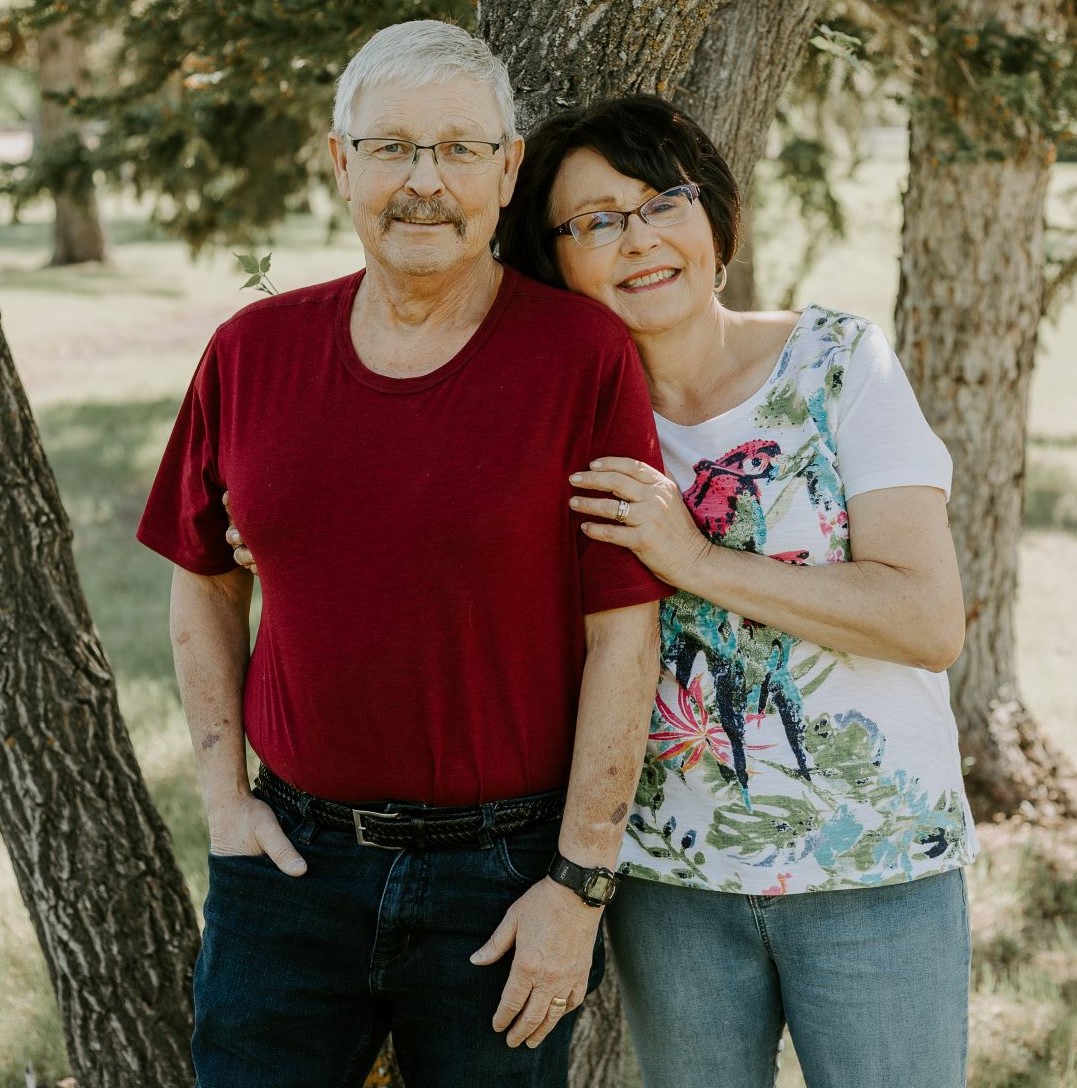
(424, 176)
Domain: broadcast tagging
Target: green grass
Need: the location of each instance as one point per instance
(106, 353)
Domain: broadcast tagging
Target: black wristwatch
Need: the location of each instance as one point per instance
(596, 887)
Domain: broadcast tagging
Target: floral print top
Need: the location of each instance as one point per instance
(776, 765)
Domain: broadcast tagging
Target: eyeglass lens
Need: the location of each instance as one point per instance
(667, 209)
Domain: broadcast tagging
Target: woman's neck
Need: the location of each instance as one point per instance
(685, 364)
(712, 363)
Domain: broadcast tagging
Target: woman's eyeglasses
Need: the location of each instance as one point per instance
(591, 229)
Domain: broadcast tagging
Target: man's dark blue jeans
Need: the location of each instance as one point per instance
(300, 979)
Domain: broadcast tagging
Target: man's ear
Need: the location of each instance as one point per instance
(338, 151)
(514, 155)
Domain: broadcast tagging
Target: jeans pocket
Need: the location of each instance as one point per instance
(526, 855)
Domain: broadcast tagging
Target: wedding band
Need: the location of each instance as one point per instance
(622, 512)
(559, 1002)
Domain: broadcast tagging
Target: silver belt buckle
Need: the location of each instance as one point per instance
(360, 831)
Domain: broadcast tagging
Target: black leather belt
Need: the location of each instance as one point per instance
(393, 825)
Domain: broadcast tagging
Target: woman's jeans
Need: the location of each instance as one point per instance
(300, 979)
(872, 982)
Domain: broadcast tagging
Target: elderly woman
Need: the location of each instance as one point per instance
(795, 851)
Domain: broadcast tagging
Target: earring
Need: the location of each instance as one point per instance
(719, 278)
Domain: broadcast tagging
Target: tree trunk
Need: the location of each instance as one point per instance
(77, 234)
(746, 57)
(562, 53)
(92, 858)
(969, 306)
(744, 61)
(600, 1037)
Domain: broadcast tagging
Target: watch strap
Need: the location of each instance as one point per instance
(595, 886)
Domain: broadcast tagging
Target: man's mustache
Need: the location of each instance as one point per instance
(422, 210)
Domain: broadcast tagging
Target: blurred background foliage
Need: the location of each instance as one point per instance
(218, 110)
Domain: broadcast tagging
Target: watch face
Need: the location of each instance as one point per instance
(599, 886)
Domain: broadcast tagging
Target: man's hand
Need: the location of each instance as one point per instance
(554, 934)
(248, 827)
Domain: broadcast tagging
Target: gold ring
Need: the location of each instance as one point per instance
(622, 512)
(559, 1002)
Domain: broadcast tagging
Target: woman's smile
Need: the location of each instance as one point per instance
(644, 280)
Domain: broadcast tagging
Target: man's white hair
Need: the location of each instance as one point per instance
(419, 53)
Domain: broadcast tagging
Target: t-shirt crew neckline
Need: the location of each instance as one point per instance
(749, 403)
(383, 383)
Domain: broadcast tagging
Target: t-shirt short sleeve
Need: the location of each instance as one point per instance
(881, 435)
(612, 577)
(185, 520)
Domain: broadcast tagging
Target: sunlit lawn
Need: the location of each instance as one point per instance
(106, 353)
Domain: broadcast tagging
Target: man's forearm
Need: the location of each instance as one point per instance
(209, 620)
(552, 929)
(619, 680)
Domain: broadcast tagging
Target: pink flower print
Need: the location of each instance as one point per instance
(834, 555)
(835, 525)
(690, 730)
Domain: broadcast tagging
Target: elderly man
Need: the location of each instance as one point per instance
(441, 652)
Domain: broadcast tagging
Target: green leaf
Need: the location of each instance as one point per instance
(247, 263)
(253, 281)
(263, 264)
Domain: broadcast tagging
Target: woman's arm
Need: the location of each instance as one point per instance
(899, 599)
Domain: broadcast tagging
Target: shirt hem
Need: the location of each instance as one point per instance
(175, 553)
(625, 868)
(625, 598)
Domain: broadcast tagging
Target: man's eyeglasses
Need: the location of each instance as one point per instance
(593, 229)
(383, 153)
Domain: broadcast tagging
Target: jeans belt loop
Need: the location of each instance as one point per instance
(308, 826)
(483, 836)
(360, 831)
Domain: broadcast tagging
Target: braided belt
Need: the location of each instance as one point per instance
(396, 825)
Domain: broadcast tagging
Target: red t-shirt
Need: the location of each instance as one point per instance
(424, 582)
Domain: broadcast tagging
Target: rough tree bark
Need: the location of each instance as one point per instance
(563, 53)
(77, 233)
(93, 860)
(744, 61)
(752, 46)
(969, 306)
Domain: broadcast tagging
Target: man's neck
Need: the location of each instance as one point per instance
(461, 296)
(405, 326)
